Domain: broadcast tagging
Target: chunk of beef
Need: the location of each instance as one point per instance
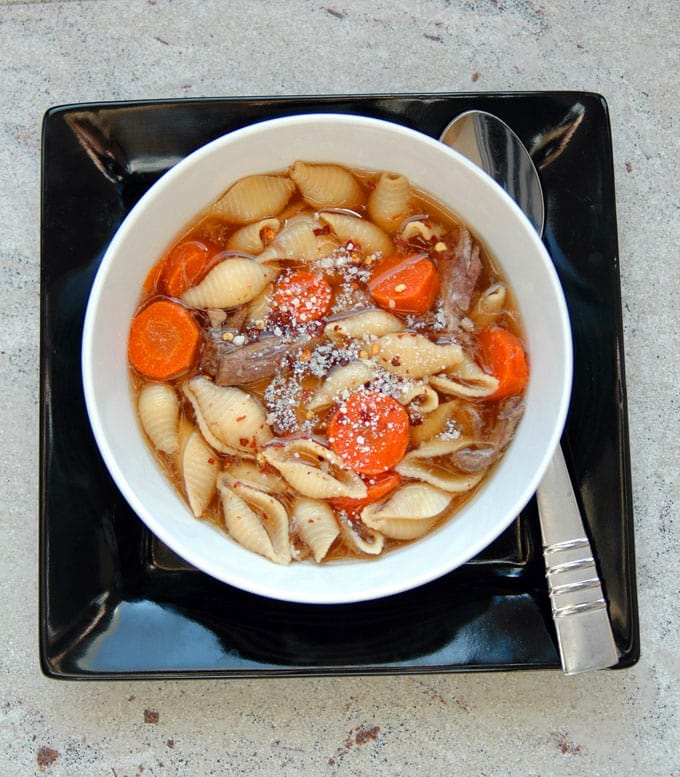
(482, 455)
(231, 364)
(460, 273)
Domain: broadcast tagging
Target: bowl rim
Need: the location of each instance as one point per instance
(258, 584)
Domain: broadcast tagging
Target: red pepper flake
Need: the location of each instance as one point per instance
(243, 441)
(240, 418)
(151, 716)
(211, 460)
(325, 230)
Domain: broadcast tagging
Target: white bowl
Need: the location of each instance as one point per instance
(174, 201)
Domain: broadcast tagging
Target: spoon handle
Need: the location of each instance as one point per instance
(579, 608)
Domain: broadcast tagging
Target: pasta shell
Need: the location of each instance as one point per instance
(340, 380)
(300, 239)
(364, 234)
(415, 356)
(443, 419)
(313, 470)
(247, 471)
(389, 203)
(421, 229)
(366, 324)
(409, 513)
(256, 520)
(158, 408)
(361, 538)
(421, 464)
(489, 306)
(199, 466)
(467, 380)
(423, 398)
(254, 198)
(231, 420)
(316, 524)
(232, 282)
(325, 186)
(250, 239)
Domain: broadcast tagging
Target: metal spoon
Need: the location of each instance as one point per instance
(579, 609)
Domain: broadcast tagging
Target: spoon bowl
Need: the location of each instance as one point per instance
(492, 145)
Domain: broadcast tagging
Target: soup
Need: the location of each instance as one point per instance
(327, 364)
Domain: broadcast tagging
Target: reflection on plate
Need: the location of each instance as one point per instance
(115, 602)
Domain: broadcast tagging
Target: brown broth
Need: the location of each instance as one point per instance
(482, 415)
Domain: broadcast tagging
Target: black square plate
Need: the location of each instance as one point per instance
(114, 602)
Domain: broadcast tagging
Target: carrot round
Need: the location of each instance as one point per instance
(370, 432)
(405, 284)
(164, 340)
(185, 266)
(377, 488)
(502, 354)
(302, 296)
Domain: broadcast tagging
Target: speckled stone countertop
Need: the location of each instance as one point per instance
(521, 723)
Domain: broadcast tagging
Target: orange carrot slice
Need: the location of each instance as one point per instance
(502, 354)
(370, 432)
(405, 284)
(302, 296)
(186, 265)
(164, 340)
(377, 488)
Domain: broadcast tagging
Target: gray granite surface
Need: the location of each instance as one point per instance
(523, 723)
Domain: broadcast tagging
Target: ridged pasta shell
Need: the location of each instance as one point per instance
(361, 538)
(158, 409)
(364, 234)
(489, 305)
(254, 198)
(340, 380)
(300, 239)
(325, 186)
(425, 230)
(316, 524)
(313, 470)
(256, 520)
(249, 239)
(441, 419)
(409, 513)
(231, 420)
(421, 464)
(233, 282)
(390, 202)
(467, 380)
(366, 324)
(199, 466)
(424, 398)
(247, 471)
(415, 356)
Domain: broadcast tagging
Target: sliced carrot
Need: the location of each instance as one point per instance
(186, 265)
(164, 340)
(405, 284)
(370, 432)
(502, 354)
(377, 488)
(302, 296)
